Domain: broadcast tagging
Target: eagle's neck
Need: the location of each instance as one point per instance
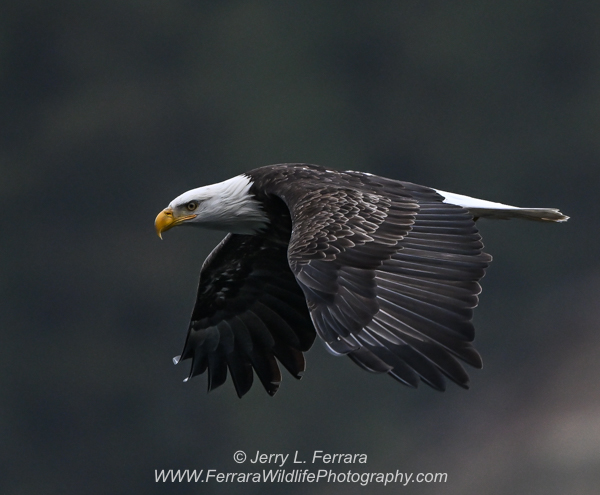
(240, 211)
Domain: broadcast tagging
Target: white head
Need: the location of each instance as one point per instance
(226, 206)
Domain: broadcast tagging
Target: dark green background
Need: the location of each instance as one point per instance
(111, 109)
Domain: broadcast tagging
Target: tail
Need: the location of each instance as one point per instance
(481, 208)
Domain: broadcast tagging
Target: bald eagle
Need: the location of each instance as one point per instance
(385, 272)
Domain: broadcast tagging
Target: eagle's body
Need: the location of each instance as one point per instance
(386, 272)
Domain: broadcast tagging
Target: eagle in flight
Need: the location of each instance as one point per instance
(385, 272)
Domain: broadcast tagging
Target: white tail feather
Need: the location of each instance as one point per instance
(481, 208)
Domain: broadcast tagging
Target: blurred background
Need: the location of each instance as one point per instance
(111, 109)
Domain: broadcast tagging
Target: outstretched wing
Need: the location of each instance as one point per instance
(249, 312)
(390, 275)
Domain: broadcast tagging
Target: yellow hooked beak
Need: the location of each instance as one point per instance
(165, 221)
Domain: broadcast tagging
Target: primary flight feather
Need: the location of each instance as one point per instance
(385, 272)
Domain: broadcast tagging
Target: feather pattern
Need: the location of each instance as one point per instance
(390, 273)
(385, 272)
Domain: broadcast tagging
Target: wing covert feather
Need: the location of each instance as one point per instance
(391, 276)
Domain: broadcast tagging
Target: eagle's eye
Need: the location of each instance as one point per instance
(192, 205)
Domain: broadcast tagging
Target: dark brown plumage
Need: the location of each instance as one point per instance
(386, 272)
